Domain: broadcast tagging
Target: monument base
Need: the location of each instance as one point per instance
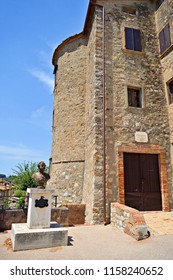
(24, 238)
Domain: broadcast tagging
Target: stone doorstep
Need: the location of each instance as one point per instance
(24, 238)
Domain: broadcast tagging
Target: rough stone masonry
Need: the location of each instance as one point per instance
(113, 81)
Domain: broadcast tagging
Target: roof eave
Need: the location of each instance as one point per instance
(89, 16)
(63, 44)
(85, 31)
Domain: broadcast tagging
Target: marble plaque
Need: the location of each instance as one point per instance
(141, 137)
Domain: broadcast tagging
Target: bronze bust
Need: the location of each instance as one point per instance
(41, 177)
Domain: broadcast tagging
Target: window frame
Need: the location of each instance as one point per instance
(170, 94)
(131, 10)
(159, 3)
(133, 40)
(165, 39)
(140, 91)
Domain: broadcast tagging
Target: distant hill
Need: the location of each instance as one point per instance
(2, 176)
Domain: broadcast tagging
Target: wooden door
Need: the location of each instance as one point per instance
(142, 182)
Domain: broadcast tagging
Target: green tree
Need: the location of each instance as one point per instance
(10, 178)
(20, 202)
(23, 175)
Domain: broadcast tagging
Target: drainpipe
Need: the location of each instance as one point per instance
(106, 220)
(104, 134)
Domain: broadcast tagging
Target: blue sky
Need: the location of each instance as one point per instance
(30, 30)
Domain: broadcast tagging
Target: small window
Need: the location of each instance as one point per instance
(134, 97)
(129, 10)
(170, 91)
(164, 39)
(55, 69)
(133, 39)
(159, 3)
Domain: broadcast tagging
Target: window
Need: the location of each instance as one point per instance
(133, 39)
(134, 97)
(159, 3)
(55, 69)
(164, 39)
(129, 10)
(170, 91)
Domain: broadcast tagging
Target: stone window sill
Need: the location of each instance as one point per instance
(165, 53)
(133, 52)
(170, 104)
(134, 108)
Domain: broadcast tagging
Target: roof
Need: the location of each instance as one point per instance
(89, 16)
(63, 44)
(5, 188)
(85, 31)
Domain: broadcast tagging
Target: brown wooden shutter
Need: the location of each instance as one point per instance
(137, 40)
(167, 36)
(161, 40)
(129, 38)
(170, 92)
(164, 39)
(133, 39)
(159, 3)
(171, 87)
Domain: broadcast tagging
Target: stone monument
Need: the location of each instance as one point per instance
(39, 231)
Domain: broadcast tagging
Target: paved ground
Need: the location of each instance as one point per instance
(101, 242)
(159, 223)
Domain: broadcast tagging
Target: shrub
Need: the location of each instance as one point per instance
(20, 202)
(20, 193)
(23, 175)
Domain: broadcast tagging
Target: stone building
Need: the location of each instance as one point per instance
(113, 109)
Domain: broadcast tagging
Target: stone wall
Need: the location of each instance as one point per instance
(76, 214)
(93, 195)
(124, 68)
(67, 181)
(65, 215)
(67, 163)
(91, 111)
(129, 220)
(164, 16)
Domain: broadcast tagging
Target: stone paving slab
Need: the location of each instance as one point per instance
(101, 242)
(159, 223)
(97, 242)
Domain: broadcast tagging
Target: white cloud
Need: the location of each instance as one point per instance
(43, 78)
(38, 113)
(20, 152)
(45, 58)
(42, 118)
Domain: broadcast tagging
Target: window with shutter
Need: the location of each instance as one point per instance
(129, 10)
(133, 39)
(170, 91)
(134, 97)
(159, 3)
(164, 39)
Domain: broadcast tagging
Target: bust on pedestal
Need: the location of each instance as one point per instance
(39, 231)
(41, 177)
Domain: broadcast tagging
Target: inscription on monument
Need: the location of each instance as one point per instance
(41, 203)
